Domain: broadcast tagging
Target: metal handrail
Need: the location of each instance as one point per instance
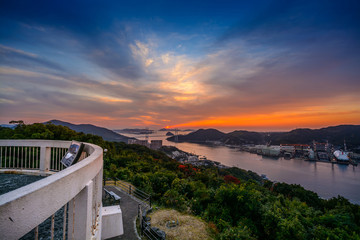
(131, 190)
(145, 226)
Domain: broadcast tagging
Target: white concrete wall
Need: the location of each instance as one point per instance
(112, 222)
(25, 208)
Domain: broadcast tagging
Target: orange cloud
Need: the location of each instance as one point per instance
(113, 100)
(276, 120)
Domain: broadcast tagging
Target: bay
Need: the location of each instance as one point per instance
(326, 179)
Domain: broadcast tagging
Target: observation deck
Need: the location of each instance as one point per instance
(76, 191)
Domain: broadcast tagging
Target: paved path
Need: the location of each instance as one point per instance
(129, 209)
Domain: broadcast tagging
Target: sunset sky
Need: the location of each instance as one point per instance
(253, 65)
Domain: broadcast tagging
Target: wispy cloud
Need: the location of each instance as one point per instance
(16, 57)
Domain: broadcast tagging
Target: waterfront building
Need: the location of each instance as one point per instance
(294, 147)
(320, 147)
(139, 142)
(287, 148)
(156, 144)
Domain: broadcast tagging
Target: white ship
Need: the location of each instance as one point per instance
(341, 156)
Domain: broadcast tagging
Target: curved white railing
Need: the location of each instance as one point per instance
(77, 188)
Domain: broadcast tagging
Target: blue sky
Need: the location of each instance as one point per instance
(257, 65)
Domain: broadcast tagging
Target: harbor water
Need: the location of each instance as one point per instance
(326, 179)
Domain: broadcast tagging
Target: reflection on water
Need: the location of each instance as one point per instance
(326, 179)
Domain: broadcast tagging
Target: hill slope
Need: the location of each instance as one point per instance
(244, 137)
(105, 133)
(335, 135)
(201, 135)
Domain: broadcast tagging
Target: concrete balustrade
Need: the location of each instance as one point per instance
(43, 155)
(79, 187)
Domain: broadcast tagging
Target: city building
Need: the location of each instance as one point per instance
(320, 147)
(156, 144)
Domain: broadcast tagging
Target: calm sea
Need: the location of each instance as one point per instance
(326, 179)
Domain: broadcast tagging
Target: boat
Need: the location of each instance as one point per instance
(203, 158)
(287, 155)
(323, 156)
(353, 162)
(341, 156)
(270, 151)
(311, 155)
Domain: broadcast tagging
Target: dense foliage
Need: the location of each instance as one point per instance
(236, 203)
(52, 132)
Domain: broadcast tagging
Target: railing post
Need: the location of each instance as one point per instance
(80, 214)
(141, 224)
(139, 211)
(45, 153)
(130, 190)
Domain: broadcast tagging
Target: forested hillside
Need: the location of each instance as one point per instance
(105, 133)
(335, 135)
(236, 203)
(201, 135)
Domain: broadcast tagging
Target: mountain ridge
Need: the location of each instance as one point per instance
(201, 135)
(334, 134)
(105, 133)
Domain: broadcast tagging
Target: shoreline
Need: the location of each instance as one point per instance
(324, 194)
(244, 148)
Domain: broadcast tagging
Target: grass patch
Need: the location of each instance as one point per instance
(189, 227)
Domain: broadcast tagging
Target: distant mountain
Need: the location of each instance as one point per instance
(12, 126)
(167, 129)
(135, 131)
(244, 137)
(105, 133)
(175, 129)
(201, 135)
(335, 135)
